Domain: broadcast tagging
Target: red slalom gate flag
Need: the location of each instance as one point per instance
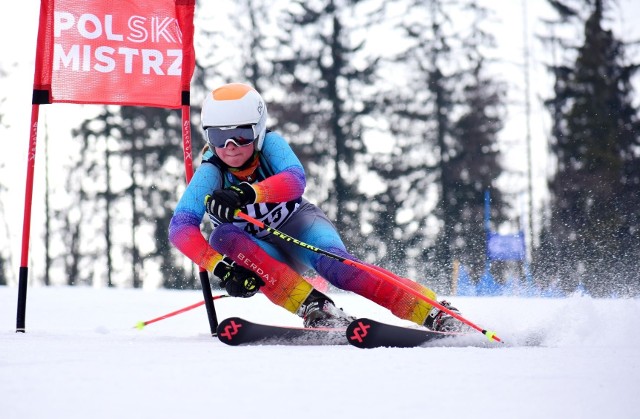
(122, 52)
(110, 52)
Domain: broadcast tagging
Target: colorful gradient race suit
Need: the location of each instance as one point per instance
(278, 178)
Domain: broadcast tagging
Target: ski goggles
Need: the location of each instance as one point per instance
(241, 136)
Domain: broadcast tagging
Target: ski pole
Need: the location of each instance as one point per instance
(141, 325)
(382, 275)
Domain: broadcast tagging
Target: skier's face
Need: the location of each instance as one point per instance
(234, 156)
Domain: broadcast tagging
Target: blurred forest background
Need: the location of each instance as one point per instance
(399, 146)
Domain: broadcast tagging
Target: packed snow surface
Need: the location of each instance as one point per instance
(82, 357)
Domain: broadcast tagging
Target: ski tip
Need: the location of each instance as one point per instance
(140, 325)
(231, 330)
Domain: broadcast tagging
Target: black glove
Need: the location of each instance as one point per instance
(223, 203)
(238, 281)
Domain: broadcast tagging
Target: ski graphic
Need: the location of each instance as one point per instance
(238, 331)
(366, 333)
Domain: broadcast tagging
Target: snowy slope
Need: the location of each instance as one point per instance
(81, 358)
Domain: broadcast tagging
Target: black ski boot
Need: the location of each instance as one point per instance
(318, 310)
(441, 321)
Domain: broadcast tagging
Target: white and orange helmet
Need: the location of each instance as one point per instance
(233, 105)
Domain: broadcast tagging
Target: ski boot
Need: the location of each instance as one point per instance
(441, 321)
(318, 310)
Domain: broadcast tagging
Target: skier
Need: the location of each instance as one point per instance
(247, 167)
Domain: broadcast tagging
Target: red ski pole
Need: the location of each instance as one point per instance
(382, 275)
(141, 325)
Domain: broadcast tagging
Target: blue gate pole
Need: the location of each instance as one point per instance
(487, 227)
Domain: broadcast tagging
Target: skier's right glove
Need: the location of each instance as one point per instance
(238, 281)
(223, 203)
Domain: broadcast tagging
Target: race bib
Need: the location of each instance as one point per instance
(272, 214)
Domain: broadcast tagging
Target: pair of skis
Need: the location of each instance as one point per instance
(361, 333)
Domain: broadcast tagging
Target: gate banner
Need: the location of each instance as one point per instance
(506, 247)
(122, 52)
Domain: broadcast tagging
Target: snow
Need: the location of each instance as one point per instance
(81, 357)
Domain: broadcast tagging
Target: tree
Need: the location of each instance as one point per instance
(473, 169)
(76, 223)
(3, 277)
(446, 116)
(150, 140)
(474, 162)
(595, 191)
(146, 143)
(3, 261)
(327, 95)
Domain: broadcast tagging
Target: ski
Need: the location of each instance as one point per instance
(367, 333)
(237, 331)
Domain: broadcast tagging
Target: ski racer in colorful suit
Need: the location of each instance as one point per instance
(249, 168)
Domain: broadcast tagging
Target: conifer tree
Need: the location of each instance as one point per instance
(595, 191)
(326, 95)
(445, 119)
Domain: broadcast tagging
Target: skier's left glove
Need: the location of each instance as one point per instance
(223, 203)
(238, 281)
